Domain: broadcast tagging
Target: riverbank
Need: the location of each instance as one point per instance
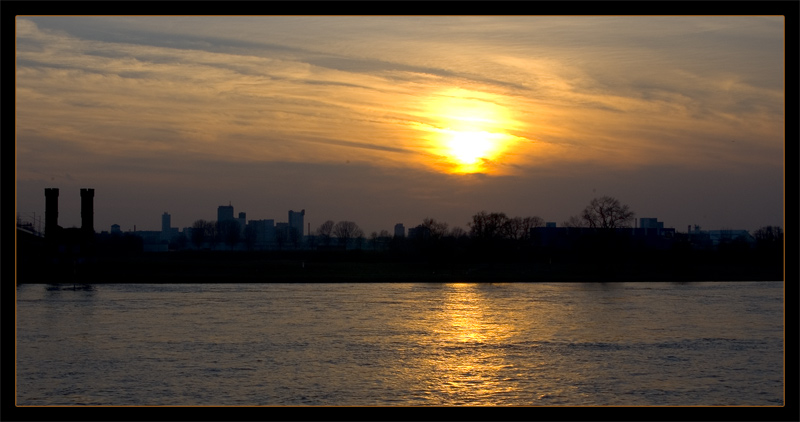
(299, 267)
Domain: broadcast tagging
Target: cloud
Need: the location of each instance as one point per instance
(211, 84)
(362, 103)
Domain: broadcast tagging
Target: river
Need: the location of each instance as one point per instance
(401, 344)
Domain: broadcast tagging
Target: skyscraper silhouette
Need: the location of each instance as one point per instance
(225, 213)
(296, 222)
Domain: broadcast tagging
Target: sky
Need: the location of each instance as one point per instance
(393, 119)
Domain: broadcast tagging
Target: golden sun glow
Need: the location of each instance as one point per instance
(470, 149)
(469, 131)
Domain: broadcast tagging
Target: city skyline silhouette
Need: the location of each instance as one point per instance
(230, 213)
(605, 242)
(382, 119)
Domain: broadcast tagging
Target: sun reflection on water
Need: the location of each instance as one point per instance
(468, 319)
(471, 365)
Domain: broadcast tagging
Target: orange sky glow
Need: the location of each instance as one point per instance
(561, 107)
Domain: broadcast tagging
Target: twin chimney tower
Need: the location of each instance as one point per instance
(51, 211)
(87, 210)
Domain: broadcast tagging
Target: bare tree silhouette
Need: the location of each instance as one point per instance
(498, 225)
(487, 225)
(324, 231)
(519, 228)
(457, 232)
(768, 235)
(607, 213)
(346, 230)
(574, 221)
(437, 229)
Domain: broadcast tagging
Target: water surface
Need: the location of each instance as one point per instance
(405, 344)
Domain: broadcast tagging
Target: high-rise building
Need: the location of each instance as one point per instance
(399, 230)
(165, 222)
(242, 221)
(168, 232)
(224, 213)
(296, 223)
(419, 232)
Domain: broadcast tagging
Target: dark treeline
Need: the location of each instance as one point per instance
(597, 245)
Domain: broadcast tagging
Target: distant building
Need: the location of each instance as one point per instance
(242, 221)
(399, 230)
(649, 226)
(264, 233)
(296, 223)
(168, 233)
(650, 223)
(566, 237)
(187, 232)
(165, 222)
(152, 241)
(115, 229)
(557, 237)
(420, 232)
(225, 213)
(282, 231)
(722, 236)
(699, 238)
(713, 238)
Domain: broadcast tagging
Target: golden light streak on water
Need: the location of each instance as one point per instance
(469, 366)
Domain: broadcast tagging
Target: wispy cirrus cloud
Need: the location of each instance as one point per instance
(609, 93)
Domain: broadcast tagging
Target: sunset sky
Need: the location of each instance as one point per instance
(383, 120)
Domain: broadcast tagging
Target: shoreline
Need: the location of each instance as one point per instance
(398, 278)
(176, 270)
(93, 283)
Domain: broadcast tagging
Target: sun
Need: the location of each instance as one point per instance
(469, 131)
(469, 147)
(470, 151)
